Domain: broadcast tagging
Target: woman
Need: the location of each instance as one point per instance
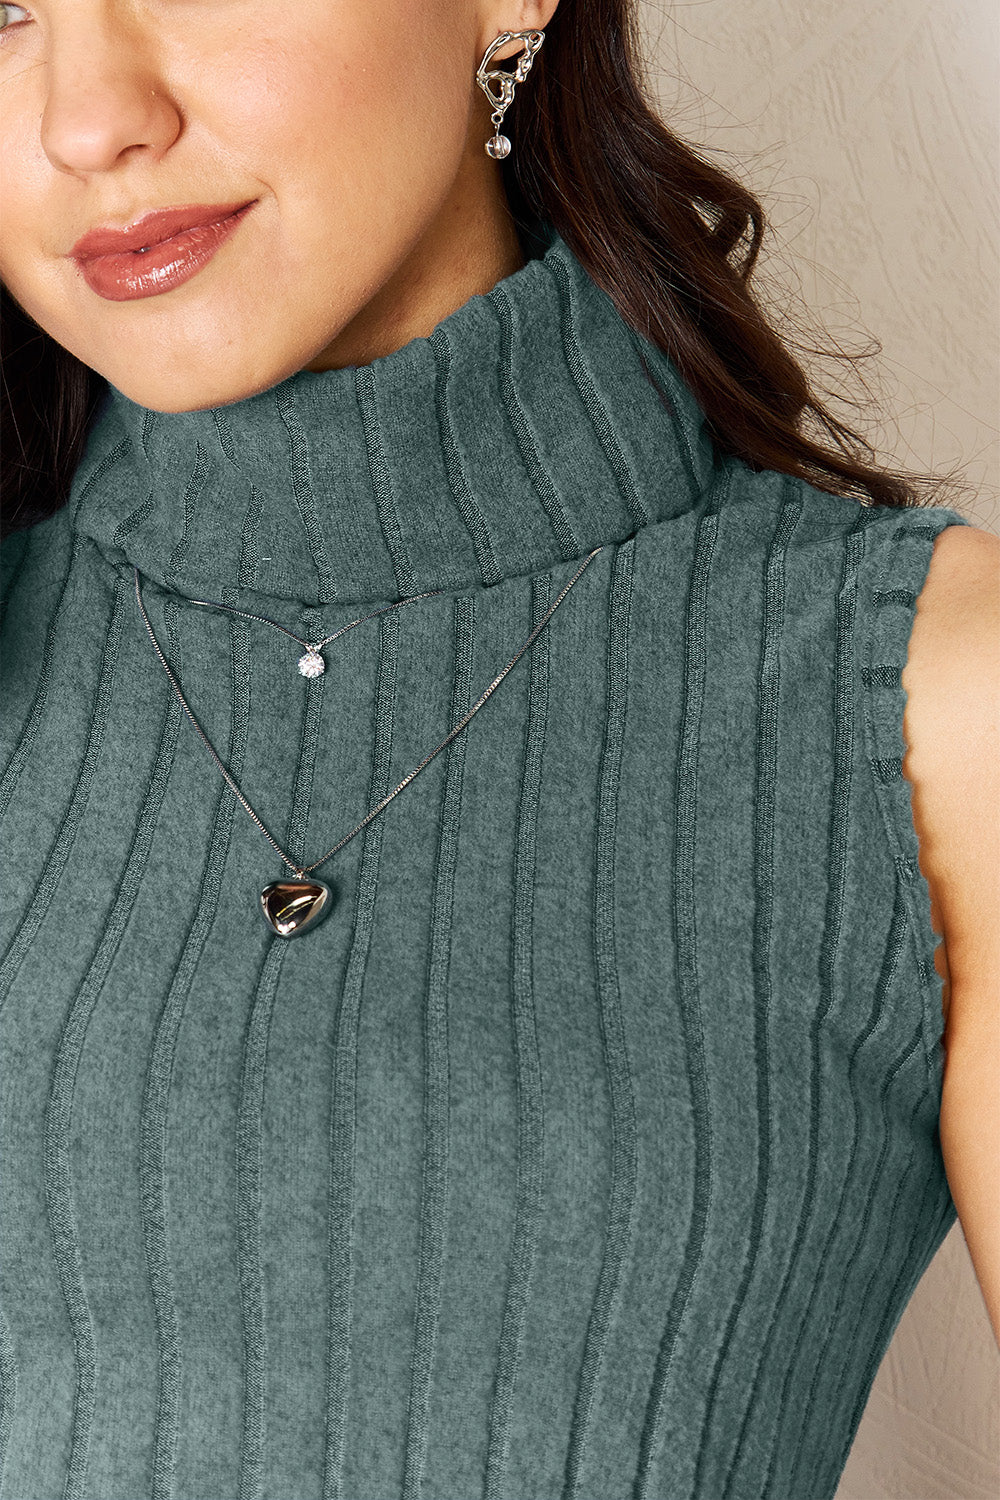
(515, 1064)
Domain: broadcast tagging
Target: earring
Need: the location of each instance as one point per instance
(499, 146)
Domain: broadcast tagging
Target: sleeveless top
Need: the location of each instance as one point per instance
(589, 1147)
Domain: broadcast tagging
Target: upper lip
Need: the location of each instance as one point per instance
(161, 224)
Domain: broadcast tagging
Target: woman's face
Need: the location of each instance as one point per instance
(354, 129)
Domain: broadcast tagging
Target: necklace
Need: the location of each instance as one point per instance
(291, 906)
(312, 663)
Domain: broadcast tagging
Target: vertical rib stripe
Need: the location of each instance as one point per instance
(530, 1110)
(343, 1101)
(9, 576)
(595, 408)
(843, 741)
(249, 556)
(42, 897)
(8, 1393)
(681, 434)
(22, 749)
(59, 1112)
(382, 483)
(765, 777)
(134, 520)
(475, 521)
(250, 542)
(569, 538)
(154, 1118)
(624, 1146)
(224, 433)
(434, 1183)
(849, 1380)
(96, 481)
(890, 965)
(888, 1156)
(193, 491)
(688, 989)
(306, 752)
(302, 489)
(906, 1277)
(249, 1136)
(249, 1170)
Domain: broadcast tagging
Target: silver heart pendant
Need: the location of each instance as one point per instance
(290, 906)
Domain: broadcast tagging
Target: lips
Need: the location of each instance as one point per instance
(160, 251)
(162, 224)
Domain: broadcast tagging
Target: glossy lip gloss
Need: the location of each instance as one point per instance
(156, 255)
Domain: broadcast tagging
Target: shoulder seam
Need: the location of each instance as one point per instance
(888, 609)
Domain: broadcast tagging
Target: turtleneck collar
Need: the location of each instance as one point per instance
(522, 432)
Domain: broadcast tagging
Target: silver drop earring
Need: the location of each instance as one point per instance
(498, 146)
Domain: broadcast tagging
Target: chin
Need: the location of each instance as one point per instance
(177, 356)
(178, 386)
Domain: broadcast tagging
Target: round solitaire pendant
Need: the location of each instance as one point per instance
(312, 664)
(498, 147)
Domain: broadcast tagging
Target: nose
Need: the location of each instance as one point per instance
(105, 97)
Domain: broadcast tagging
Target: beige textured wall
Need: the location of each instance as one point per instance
(870, 132)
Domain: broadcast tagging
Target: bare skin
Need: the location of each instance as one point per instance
(952, 730)
(359, 131)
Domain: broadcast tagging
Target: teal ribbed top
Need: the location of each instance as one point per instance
(588, 1148)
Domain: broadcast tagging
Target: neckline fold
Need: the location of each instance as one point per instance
(522, 432)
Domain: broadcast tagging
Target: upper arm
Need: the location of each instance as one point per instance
(952, 732)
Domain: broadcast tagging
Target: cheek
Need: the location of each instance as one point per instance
(30, 235)
(341, 117)
(24, 168)
(350, 125)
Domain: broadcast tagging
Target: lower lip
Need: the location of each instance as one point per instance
(130, 274)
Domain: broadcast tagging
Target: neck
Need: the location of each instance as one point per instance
(442, 272)
(531, 425)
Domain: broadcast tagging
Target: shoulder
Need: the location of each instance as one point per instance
(961, 594)
(951, 726)
(953, 714)
(951, 672)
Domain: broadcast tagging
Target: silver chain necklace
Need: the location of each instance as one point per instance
(312, 663)
(291, 906)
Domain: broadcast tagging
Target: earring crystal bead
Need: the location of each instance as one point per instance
(498, 85)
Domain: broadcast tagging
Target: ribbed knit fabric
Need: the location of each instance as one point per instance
(588, 1148)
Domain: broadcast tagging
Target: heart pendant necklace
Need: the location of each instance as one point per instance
(291, 907)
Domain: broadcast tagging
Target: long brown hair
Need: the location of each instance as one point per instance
(670, 237)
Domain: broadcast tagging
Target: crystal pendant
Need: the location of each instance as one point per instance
(498, 147)
(312, 664)
(290, 906)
